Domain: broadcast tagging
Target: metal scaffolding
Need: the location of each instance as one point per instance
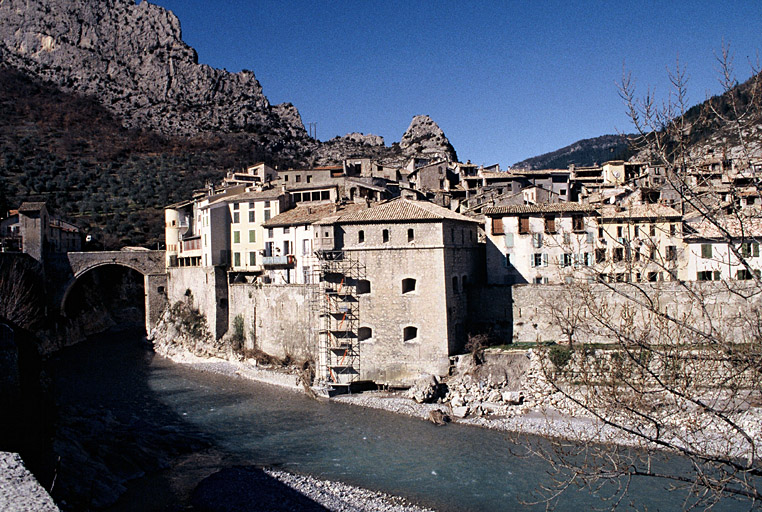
(338, 308)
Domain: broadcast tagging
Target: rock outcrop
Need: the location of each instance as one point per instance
(132, 59)
(426, 138)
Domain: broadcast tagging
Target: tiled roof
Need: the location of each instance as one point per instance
(31, 207)
(639, 211)
(743, 227)
(539, 208)
(539, 171)
(403, 210)
(496, 175)
(308, 214)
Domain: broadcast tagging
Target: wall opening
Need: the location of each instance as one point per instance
(408, 285)
(364, 333)
(385, 236)
(409, 333)
(363, 286)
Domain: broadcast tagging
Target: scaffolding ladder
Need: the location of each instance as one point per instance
(336, 303)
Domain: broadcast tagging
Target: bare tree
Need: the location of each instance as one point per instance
(21, 292)
(683, 369)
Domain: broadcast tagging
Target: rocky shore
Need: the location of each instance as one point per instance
(19, 489)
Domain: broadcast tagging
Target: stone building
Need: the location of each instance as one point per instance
(33, 230)
(540, 243)
(713, 256)
(639, 243)
(419, 259)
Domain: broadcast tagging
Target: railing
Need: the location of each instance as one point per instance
(279, 261)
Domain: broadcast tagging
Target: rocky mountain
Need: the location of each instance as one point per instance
(423, 136)
(132, 59)
(584, 152)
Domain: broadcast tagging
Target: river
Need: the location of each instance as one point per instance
(223, 421)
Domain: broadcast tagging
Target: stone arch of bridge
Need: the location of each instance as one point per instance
(154, 286)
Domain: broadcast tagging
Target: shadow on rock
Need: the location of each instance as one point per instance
(248, 488)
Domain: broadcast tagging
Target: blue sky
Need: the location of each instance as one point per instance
(504, 80)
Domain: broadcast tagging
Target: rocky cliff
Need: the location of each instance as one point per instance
(132, 59)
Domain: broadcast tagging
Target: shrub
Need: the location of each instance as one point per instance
(559, 356)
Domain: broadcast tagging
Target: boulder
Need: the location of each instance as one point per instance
(426, 389)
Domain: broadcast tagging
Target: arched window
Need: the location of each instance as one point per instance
(409, 333)
(364, 333)
(408, 285)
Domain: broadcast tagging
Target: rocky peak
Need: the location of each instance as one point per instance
(133, 60)
(425, 137)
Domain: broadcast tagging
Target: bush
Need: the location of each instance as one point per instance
(238, 333)
(559, 356)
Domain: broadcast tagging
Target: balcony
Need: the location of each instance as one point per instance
(279, 261)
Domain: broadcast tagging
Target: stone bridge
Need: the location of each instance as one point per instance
(67, 268)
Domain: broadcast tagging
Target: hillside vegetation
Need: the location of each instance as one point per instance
(71, 152)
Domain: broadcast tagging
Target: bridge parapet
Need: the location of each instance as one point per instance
(145, 262)
(71, 266)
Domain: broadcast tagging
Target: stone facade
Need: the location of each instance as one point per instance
(277, 319)
(539, 310)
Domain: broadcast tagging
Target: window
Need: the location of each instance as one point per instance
(536, 240)
(236, 237)
(360, 236)
(409, 333)
(637, 231)
(270, 232)
(306, 247)
(286, 230)
(566, 260)
(252, 236)
(523, 225)
(252, 214)
(236, 259)
(671, 253)
(236, 206)
(298, 178)
(236, 217)
(385, 236)
(364, 333)
(363, 286)
(252, 258)
(600, 232)
(578, 223)
(618, 254)
(550, 224)
(708, 275)
(267, 215)
(706, 253)
(497, 226)
(652, 277)
(673, 229)
(567, 238)
(743, 275)
(750, 249)
(410, 235)
(539, 260)
(509, 239)
(619, 232)
(408, 285)
(653, 230)
(309, 178)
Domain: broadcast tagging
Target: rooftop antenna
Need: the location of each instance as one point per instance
(312, 127)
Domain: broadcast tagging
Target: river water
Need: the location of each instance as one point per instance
(447, 468)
